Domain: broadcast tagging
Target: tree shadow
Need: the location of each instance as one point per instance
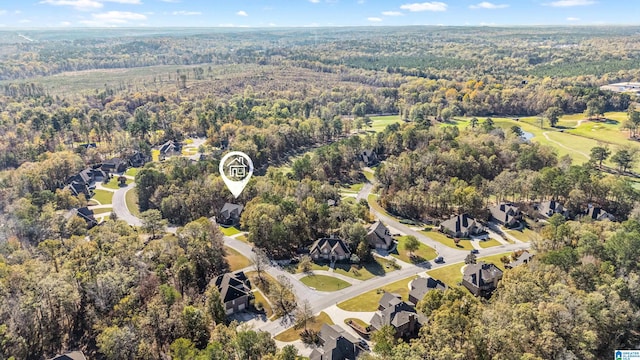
(375, 268)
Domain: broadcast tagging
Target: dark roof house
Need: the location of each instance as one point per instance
(369, 157)
(506, 214)
(87, 146)
(379, 237)
(87, 215)
(481, 279)
(421, 286)
(74, 355)
(335, 344)
(461, 226)
(548, 208)
(138, 159)
(170, 148)
(230, 214)
(330, 249)
(235, 291)
(115, 165)
(397, 313)
(599, 214)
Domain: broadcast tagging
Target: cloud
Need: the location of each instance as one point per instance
(111, 18)
(360, 2)
(171, 1)
(425, 6)
(65, 23)
(24, 21)
(233, 26)
(242, 13)
(488, 5)
(314, 1)
(2, 12)
(186, 13)
(571, 18)
(17, 12)
(374, 19)
(132, 2)
(392, 13)
(77, 4)
(570, 3)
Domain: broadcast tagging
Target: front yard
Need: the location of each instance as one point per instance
(315, 324)
(489, 243)
(324, 282)
(423, 253)
(379, 267)
(104, 197)
(369, 301)
(464, 244)
(236, 260)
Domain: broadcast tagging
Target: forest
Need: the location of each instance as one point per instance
(299, 102)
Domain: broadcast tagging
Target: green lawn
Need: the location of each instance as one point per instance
(104, 197)
(102, 211)
(189, 151)
(324, 282)
(315, 324)
(369, 301)
(379, 123)
(131, 198)
(378, 267)
(230, 231)
(489, 243)
(423, 253)
(359, 322)
(353, 188)
(259, 298)
(115, 184)
(242, 238)
(524, 235)
(132, 171)
(495, 259)
(370, 176)
(236, 260)
(465, 244)
(449, 274)
(155, 155)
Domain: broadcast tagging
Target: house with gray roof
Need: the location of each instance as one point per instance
(235, 291)
(170, 148)
(336, 344)
(379, 236)
(74, 355)
(329, 249)
(369, 157)
(230, 214)
(397, 313)
(598, 214)
(421, 286)
(461, 226)
(506, 214)
(523, 258)
(481, 279)
(548, 208)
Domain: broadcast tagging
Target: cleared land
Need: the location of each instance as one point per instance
(379, 123)
(369, 301)
(104, 197)
(367, 271)
(230, 231)
(423, 253)
(464, 244)
(324, 282)
(115, 184)
(236, 260)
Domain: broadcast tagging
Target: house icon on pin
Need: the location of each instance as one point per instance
(618, 355)
(237, 168)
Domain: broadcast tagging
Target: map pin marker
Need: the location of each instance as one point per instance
(236, 169)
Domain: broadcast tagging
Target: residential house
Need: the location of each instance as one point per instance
(421, 286)
(598, 214)
(115, 165)
(336, 344)
(330, 249)
(99, 175)
(87, 215)
(230, 215)
(506, 214)
(481, 279)
(235, 291)
(397, 313)
(82, 182)
(138, 159)
(461, 226)
(369, 157)
(523, 258)
(87, 146)
(549, 208)
(170, 148)
(379, 236)
(74, 355)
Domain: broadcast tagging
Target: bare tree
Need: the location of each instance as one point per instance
(283, 298)
(260, 262)
(303, 315)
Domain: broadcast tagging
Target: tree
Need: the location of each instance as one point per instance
(260, 263)
(473, 122)
(488, 124)
(600, 154)
(303, 314)
(282, 296)
(411, 244)
(117, 343)
(470, 259)
(152, 222)
(384, 339)
(623, 158)
(215, 306)
(288, 352)
(195, 326)
(553, 115)
(517, 130)
(363, 252)
(305, 264)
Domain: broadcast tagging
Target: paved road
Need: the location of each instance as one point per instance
(120, 206)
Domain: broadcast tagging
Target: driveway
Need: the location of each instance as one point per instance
(120, 206)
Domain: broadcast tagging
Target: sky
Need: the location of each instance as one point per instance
(302, 13)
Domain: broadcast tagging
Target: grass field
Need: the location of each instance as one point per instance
(315, 324)
(155, 155)
(104, 197)
(450, 274)
(423, 253)
(230, 231)
(378, 267)
(524, 235)
(370, 176)
(259, 297)
(324, 282)
(102, 211)
(359, 322)
(369, 301)
(495, 259)
(132, 171)
(114, 183)
(252, 276)
(353, 188)
(464, 244)
(379, 123)
(242, 238)
(489, 243)
(131, 198)
(236, 260)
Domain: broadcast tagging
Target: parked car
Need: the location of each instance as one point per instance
(475, 251)
(439, 260)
